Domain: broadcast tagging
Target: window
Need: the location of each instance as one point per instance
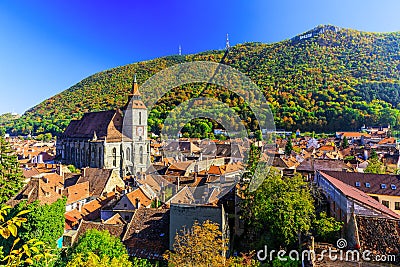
(367, 185)
(128, 154)
(125, 205)
(100, 156)
(385, 203)
(393, 186)
(383, 186)
(140, 118)
(358, 184)
(114, 155)
(397, 205)
(141, 154)
(87, 157)
(376, 198)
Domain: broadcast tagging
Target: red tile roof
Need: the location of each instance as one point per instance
(375, 182)
(77, 192)
(360, 196)
(138, 194)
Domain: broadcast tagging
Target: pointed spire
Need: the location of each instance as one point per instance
(135, 87)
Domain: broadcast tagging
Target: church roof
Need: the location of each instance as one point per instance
(102, 124)
(134, 99)
(137, 104)
(135, 87)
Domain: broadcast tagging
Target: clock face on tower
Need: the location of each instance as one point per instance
(139, 130)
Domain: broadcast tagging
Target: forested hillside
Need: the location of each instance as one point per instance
(324, 80)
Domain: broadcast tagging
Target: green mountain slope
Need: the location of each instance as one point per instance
(324, 80)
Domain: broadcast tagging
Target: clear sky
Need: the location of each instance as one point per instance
(46, 46)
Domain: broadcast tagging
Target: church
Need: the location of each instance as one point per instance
(112, 139)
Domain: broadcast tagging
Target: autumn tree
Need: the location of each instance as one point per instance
(44, 223)
(10, 173)
(201, 245)
(21, 252)
(93, 260)
(376, 166)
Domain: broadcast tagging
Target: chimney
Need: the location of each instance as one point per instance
(156, 202)
(60, 170)
(137, 204)
(40, 158)
(163, 195)
(178, 183)
(83, 171)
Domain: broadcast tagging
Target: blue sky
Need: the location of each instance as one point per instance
(46, 46)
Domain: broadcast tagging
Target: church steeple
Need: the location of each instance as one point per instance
(135, 89)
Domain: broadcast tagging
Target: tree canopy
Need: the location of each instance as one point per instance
(98, 247)
(10, 173)
(335, 80)
(279, 209)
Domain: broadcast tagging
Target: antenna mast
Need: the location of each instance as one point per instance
(227, 42)
(180, 50)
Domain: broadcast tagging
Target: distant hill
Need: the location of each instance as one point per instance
(325, 79)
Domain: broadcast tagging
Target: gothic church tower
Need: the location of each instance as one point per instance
(136, 147)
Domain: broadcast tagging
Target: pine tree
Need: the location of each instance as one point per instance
(288, 147)
(10, 172)
(345, 142)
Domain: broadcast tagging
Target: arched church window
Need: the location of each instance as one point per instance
(141, 154)
(114, 154)
(100, 156)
